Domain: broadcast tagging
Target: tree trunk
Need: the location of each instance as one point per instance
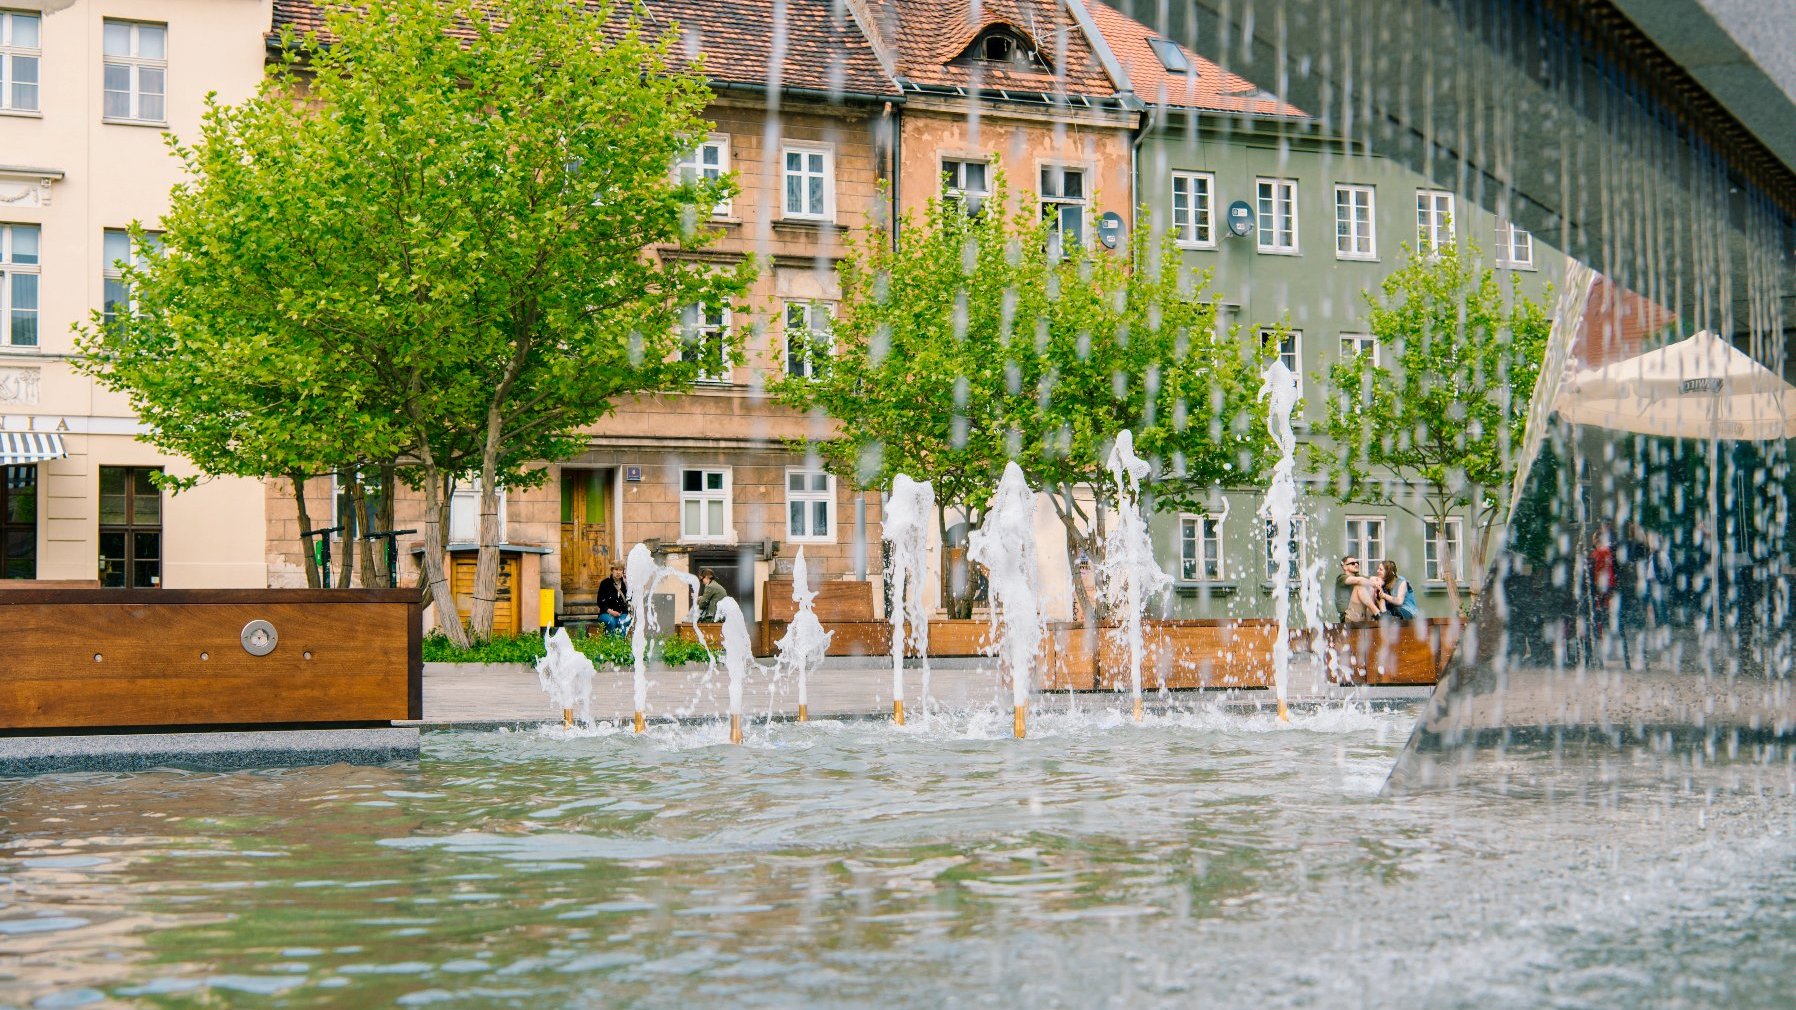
(1063, 506)
(436, 578)
(305, 529)
(959, 595)
(486, 569)
(1449, 563)
(364, 523)
(389, 485)
(351, 528)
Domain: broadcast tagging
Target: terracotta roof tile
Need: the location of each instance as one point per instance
(925, 36)
(825, 50)
(1207, 88)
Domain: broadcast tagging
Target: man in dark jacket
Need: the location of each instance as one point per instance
(614, 602)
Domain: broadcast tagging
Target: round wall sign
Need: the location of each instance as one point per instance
(1240, 216)
(1110, 229)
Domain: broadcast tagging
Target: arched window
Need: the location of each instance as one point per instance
(1004, 46)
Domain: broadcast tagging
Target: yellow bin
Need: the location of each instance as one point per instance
(545, 607)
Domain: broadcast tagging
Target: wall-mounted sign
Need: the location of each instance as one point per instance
(1110, 229)
(1240, 218)
(633, 474)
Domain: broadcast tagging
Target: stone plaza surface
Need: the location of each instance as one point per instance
(500, 693)
(225, 750)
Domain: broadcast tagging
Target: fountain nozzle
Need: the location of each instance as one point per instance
(639, 724)
(898, 711)
(1284, 714)
(567, 718)
(1137, 708)
(1021, 712)
(735, 729)
(804, 713)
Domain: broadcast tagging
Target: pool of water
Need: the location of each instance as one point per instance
(1200, 859)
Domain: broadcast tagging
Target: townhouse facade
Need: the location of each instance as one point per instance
(88, 91)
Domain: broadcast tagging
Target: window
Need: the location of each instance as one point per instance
(810, 505)
(1200, 548)
(20, 49)
(1063, 205)
(1290, 351)
(1299, 546)
(704, 330)
(1194, 209)
(130, 527)
(1439, 543)
(1354, 344)
(18, 522)
(1365, 541)
(1278, 215)
(464, 512)
(709, 162)
(704, 504)
(810, 183)
(1355, 230)
(1515, 247)
(1434, 219)
(117, 250)
(966, 181)
(135, 71)
(345, 513)
(18, 285)
(808, 338)
(1171, 56)
(1004, 45)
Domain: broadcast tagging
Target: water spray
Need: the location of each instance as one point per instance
(1279, 508)
(906, 523)
(1005, 545)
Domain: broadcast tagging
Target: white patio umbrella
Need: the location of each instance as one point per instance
(1701, 387)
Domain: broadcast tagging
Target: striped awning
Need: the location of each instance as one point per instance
(29, 447)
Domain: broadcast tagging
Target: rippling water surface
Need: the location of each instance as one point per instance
(1201, 859)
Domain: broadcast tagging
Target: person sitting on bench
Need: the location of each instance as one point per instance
(614, 602)
(710, 594)
(1356, 595)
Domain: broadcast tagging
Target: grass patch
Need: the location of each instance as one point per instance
(603, 650)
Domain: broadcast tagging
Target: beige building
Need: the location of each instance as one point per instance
(88, 92)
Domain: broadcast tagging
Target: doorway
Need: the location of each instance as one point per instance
(586, 534)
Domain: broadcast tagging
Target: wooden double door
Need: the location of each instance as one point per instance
(587, 528)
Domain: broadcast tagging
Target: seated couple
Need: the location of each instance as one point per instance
(1361, 598)
(614, 599)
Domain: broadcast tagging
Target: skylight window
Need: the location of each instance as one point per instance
(1171, 56)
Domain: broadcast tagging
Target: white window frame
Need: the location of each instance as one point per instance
(704, 496)
(10, 53)
(1295, 364)
(1058, 204)
(1507, 243)
(1348, 236)
(10, 269)
(1358, 533)
(954, 178)
(464, 511)
(1275, 205)
(809, 497)
(1194, 223)
(1360, 343)
(1208, 533)
(1300, 535)
(1435, 226)
(692, 167)
(1431, 549)
(110, 273)
(810, 310)
(805, 151)
(135, 65)
(704, 329)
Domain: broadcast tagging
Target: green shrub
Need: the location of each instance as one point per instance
(604, 650)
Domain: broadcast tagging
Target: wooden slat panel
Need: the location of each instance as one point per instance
(837, 600)
(364, 664)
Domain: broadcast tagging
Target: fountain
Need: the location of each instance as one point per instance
(1129, 577)
(805, 642)
(906, 521)
(566, 675)
(738, 654)
(1005, 545)
(1279, 508)
(641, 576)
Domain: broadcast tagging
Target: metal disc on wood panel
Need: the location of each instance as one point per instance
(259, 638)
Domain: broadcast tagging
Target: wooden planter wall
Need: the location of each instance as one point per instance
(133, 658)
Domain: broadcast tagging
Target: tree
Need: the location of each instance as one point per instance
(969, 341)
(448, 207)
(1436, 433)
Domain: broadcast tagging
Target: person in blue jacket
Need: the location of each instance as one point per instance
(1398, 595)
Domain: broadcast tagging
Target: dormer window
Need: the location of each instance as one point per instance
(1006, 47)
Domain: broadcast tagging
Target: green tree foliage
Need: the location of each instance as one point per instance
(965, 342)
(426, 238)
(1435, 427)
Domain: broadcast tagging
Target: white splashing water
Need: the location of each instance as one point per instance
(566, 675)
(907, 517)
(1129, 577)
(738, 649)
(642, 575)
(805, 643)
(1005, 545)
(1280, 507)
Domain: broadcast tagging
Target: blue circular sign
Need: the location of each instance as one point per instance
(1240, 217)
(1110, 229)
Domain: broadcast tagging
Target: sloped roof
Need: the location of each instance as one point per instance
(825, 49)
(926, 36)
(1207, 88)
